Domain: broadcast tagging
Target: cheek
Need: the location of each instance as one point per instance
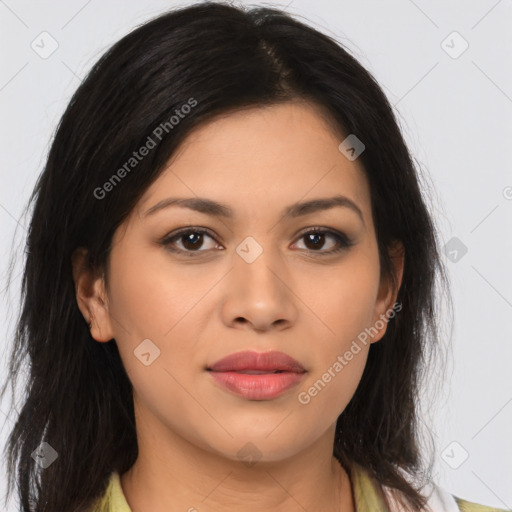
(344, 296)
(330, 388)
(150, 301)
(337, 372)
(345, 303)
(147, 298)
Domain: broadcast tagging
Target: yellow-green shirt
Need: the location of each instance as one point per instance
(368, 497)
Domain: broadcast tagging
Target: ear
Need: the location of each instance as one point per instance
(388, 291)
(91, 296)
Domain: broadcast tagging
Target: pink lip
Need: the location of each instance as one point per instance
(263, 385)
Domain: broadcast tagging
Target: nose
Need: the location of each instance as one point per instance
(259, 294)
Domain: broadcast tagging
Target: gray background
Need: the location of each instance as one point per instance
(455, 109)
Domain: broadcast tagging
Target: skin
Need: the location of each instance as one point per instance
(196, 310)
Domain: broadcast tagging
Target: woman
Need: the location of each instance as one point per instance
(229, 284)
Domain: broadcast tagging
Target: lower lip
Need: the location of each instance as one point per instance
(264, 386)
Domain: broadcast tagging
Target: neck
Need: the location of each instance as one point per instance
(175, 475)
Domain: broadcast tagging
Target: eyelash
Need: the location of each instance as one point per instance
(343, 241)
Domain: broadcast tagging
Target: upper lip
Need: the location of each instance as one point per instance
(262, 361)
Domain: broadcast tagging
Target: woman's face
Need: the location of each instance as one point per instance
(257, 280)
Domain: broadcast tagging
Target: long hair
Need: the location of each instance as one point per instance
(215, 58)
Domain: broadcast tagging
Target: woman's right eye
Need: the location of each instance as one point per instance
(191, 240)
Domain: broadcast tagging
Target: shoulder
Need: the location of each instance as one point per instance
(441, 500)
(113, 499)
(468, 506)
(369, 494)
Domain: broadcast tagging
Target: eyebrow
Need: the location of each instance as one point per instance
(216, 209)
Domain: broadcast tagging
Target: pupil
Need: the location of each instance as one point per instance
(188, 240)
(315, 236)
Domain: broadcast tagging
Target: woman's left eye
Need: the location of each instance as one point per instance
(192, 239)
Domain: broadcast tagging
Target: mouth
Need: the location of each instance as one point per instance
(253, 362)
(257, 386)
(257, 372)
(257, 376)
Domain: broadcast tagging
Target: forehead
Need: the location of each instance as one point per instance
(262, 157)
